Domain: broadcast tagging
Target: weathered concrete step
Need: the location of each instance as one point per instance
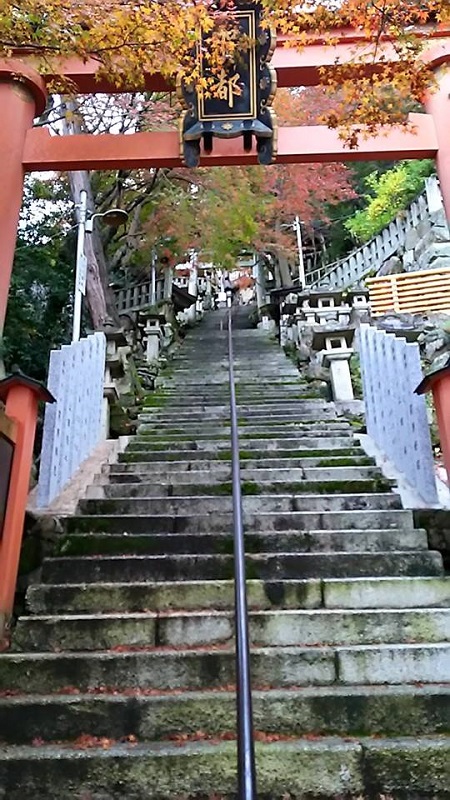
(195, 378)
(270, 395)
(201, 668)
(281, 628)
(333, 711)
(301, 414)
(222, 472)
(253, 486)
(303, 411)
(251, 503)
(134, 596)
(266, 566)
(214, 372)
(300, 445)
(222, 543)
(266, 463)
(208, 523)
(198, 418)
(147, 437)
(219, 595)
(163, 668)
(260, 403)
(169, 770)
(162, 397)
(224, 454)
(276, 421)
(191, 380)
(327, 768)
(201, 429)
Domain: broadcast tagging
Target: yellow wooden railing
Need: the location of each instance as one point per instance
(411, 292)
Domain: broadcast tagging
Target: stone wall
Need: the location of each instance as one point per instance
(427, 246)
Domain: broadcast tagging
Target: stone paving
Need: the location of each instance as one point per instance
(119, 683)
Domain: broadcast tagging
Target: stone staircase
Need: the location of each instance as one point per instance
(120, 681)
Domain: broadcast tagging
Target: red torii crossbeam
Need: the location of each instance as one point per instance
(296, 145)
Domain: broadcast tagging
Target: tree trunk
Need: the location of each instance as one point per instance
(99, 296)
(283, 266)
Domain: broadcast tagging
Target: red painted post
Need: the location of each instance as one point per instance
(22, 97)
(439, 384)
(21, 396)
(437, 103)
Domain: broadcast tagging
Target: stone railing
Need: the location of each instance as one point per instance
(73, 425)
(396, 418)
(350, 270)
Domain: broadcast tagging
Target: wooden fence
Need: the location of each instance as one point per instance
(411, 292)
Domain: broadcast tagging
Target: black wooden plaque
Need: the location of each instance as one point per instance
(237, 102)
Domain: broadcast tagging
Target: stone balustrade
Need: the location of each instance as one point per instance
(73, 425)
(401, 235)
(396, 418)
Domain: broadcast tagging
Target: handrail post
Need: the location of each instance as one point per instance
(245, 742)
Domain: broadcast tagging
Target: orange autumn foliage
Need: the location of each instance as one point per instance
(129, 39)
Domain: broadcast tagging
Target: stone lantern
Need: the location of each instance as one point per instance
(335, 351)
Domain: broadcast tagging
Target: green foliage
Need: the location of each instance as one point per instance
(388, 194)
(355, 373)
(40, 298)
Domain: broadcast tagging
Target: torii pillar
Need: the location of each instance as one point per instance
(437, 103)
(22, 97)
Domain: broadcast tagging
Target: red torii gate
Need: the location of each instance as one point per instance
(24, 149)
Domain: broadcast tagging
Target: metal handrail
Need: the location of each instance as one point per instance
(245, 740)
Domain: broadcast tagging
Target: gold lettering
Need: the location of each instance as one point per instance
(227, 88)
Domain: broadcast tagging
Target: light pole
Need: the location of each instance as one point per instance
(301, 263)
(153, 297)
(114, 217)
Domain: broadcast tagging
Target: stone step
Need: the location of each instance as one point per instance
(265, 566)
(161, 468)
(220, 372)
(220, 471)
(281, 628)
(254, 486)
(147, 431)
(219, 522)
(257, 404)
(304, 411)
(222, 543)
(247, 454)
(301, 445)
(259, 503)
(203, 421)
(327, 768)
(219, 595)
(193, 380)
(149, 435)
(210, 394)
(334, 711)
(213, 667)
(276, 421)
(269, 392)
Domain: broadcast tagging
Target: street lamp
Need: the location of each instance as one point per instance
(301, 263)
(114, 218)
(295, 225)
